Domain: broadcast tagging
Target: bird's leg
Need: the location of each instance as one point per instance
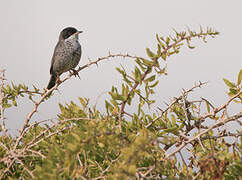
(58, 79)
(75, 73)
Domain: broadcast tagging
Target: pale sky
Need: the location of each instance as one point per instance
(30, 29)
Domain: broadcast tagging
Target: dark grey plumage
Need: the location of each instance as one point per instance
(66, 55)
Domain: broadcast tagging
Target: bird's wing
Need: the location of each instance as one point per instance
(56, 55)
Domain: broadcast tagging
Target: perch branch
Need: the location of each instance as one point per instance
(48, 92)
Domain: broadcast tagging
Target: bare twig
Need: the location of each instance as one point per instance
(36, 152)
(9, 96)
(106, 58)
(107, 169)
(207, 102)
(2, 78)
(25, 168)
(129, 94)
(29, 116)
(128, 114)
(216, 110)
(4, 146)
(148, 172)
(222, 121)
(8, 168)
(43, 136)
(185, 108)
(196, 176)
(236, 135)
(201, 144)
(185, 92)
(218, 123)
(183, 160)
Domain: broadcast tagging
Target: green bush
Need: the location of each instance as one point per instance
(85, 143)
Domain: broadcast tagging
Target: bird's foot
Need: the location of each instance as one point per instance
(75, 73)
(58, 81)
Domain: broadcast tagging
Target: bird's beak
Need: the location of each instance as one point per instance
(78, 32)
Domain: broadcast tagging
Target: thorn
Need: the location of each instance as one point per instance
(166, 104)
(58, 91)
(160, 109)
(89, 62)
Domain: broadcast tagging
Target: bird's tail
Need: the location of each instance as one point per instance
(52, 81)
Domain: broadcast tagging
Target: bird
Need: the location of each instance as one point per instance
(66, 56)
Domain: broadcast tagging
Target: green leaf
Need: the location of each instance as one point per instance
(167, 41)
(158, 50)
(173, 118)
(228, 83)
(137, 74)
(233, 91)
(208, 106)
(239, 77)
(7, 105)
(117, 96)
(140, 64)
(119, 70)
(82, 102)
(189, 45)
(113, 102)
(163, 55)
(147, 62)
(114, 95)
(150, 53)
(14, 102)
(121, 98)
(174, 128)
(153, 85)
(127, 81)
(150, 79)
(8, 89)
(126, 90)
(108, 106)
(14, 87)
(158, 39)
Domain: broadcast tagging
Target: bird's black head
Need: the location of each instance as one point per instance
(67, 32)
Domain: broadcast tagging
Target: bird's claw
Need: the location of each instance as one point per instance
(58, 81)
(75, 73)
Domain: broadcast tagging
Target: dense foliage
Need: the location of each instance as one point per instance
(127, 141)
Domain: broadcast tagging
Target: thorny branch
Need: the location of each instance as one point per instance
(48, 92)
(185, 38)
(15, 154)
(185, 92)
(132, 90)
(199, 85)
(217, 124)
(43, 97)
(144, 175)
